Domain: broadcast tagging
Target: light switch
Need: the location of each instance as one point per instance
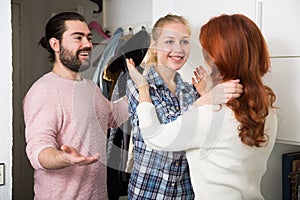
(2, 173)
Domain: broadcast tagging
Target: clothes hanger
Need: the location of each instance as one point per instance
(95, 25)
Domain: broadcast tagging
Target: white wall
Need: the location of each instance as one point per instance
(161, 8)
(129, 12)
(6, 98)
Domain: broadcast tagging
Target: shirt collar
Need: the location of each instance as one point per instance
(155, 79)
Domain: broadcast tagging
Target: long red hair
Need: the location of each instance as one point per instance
(236, 46)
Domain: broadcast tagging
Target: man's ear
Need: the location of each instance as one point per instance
(54, 43)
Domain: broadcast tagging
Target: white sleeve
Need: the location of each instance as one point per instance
(186, 132)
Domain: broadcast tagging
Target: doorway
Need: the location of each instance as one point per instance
(22, 170)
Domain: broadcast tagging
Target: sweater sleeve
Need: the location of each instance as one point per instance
(119, 112)
(41, 122)
(186, 132)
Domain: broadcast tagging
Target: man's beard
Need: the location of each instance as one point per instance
(72, 61)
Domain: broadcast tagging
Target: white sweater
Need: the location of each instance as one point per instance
(221, 166)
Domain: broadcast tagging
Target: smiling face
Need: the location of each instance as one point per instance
(76, 46)
(172, 47)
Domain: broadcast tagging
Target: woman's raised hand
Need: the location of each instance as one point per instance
(135, 75)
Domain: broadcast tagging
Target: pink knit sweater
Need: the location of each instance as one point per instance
(59, 111)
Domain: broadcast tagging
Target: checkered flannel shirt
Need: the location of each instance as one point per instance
(160, 174)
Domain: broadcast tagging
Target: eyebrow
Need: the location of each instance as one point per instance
(187, 36)
(171, 37)
(82, 34)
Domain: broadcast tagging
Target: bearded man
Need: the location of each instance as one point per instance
(67, 117)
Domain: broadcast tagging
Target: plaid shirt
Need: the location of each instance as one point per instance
(160, 174)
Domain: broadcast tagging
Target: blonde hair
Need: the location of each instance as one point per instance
(157, 29)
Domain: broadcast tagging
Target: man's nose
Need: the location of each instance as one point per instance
(87, 43)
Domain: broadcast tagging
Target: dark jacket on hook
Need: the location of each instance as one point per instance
(114, 86)
(136, 48)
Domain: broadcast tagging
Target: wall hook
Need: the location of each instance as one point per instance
(100, 6)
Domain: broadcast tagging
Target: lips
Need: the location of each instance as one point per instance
(84, 54)
(177, 58)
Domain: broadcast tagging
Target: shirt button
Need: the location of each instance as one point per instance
(177, 108)
(173, 184)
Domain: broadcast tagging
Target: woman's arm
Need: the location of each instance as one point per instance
(175, 136)
(186, 132)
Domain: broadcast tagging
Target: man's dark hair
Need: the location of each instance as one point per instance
(55, 29)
